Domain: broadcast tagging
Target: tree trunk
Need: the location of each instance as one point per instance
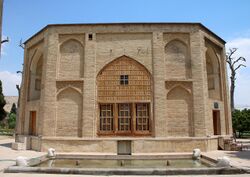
(232, 87)
(232, 96)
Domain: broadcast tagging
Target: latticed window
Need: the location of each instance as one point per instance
(124, 117)
(124, 79)
(106, 117)
(142, 116)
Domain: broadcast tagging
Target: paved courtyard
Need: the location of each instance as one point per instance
(238, 158)
(8, 156)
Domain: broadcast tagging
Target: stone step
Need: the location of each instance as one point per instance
(18, 146)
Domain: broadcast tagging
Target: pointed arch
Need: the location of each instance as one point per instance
(178, 85)
(37, 55)
(139, 79)
(71, 46)
(213, 74)
(177, 59)
(179, 112)
(35, 75)
(176, 46)
(178, 92)
(126, 58)
(215, 61)
(69, 113)
(69, 87)
(71, 59)
(124, 97)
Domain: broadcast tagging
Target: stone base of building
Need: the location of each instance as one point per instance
(137, 145)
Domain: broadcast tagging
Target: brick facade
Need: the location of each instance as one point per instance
(189, 107)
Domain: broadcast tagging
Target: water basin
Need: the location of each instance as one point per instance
(123, 165)
(126, 163)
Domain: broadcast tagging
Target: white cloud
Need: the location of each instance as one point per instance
(243, 45)
(242, 94)
(9, 82)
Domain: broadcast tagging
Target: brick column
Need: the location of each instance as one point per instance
(89, 89)
(199, 88)
(160, 121)
(48, 92)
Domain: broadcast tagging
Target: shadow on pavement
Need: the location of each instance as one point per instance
(240, 154)
(8, 145)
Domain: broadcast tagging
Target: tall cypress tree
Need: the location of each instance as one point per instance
(2, 103)
(13, 108)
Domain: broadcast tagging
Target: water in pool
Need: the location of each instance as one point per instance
(90, 163)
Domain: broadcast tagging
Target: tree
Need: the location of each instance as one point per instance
(22, 45)
(241, 121)
(2, 103)
(19, 92)
(13, 108)
(234, 65)
(11, 120)
(12, 117)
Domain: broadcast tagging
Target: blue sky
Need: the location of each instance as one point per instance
(230, 19)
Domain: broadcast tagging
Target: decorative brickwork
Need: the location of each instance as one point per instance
(154, 85)
(109, 88)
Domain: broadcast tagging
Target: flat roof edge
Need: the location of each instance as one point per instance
(129, 23)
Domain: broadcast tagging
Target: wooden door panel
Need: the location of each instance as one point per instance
(32, 123)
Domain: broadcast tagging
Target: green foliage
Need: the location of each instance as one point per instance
(2, 103)
(2, 124)
(241, 121)
(13, 108)
(6, 132)
(12, 121)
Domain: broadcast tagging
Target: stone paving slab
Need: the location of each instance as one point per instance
(8, 156)
(237, 158)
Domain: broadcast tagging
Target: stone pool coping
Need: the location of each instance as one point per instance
(125, 171)
(124, 157)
